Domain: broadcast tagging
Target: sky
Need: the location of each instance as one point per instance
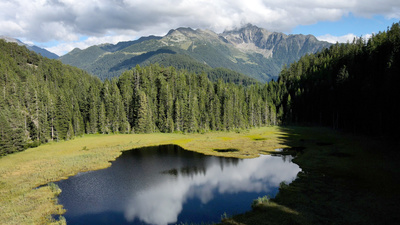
(62, 25)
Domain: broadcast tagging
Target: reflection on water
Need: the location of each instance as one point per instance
(166, 184)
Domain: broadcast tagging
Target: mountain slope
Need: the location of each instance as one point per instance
(34, 48)
(250, 50)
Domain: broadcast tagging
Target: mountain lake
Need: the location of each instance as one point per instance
(168, 185)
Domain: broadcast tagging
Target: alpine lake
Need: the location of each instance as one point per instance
(169, 185)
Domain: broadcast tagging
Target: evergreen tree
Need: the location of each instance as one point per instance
(178, 118)
(62, 119)
(94, 105)
(143, 122)
(103, 120)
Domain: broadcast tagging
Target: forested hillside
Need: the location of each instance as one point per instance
(43, 100)
(348, 86)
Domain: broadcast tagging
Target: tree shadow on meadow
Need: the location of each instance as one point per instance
(344, 180)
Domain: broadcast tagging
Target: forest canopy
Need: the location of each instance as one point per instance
(349, 86)
(43, 100)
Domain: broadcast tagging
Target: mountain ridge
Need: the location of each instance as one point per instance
(34, 48)
(250, 50)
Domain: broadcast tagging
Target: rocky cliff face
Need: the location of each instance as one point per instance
(252, 38)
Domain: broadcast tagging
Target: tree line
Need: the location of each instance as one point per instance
(351, 86)
(43, 100)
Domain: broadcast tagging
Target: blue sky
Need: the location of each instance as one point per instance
(358, 26)
(62, 25)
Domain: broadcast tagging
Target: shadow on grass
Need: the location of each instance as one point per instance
(344, 180)
(226, 150)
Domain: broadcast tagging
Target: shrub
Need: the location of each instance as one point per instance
(55, 189)
(259, 201)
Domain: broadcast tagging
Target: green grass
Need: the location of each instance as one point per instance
(21, 202)
(345, 180)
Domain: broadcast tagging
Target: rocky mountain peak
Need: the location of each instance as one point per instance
(187, 31)
(253, 35)
(246, 34)
(252, 38)
(182, 34)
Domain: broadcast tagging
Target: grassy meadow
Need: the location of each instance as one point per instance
(345, 179)
(26, 199)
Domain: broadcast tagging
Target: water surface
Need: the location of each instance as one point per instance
(167, 185)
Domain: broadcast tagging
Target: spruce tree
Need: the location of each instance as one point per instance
(143, 121)
(62, 119)
(178, 115)
(103, 120)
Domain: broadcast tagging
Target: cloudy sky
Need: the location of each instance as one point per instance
(61, 25)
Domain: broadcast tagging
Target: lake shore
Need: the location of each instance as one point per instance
(26, 199)
(345, 178)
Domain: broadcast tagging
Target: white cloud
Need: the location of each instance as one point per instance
(333, 39)
(341, 39)
(389, 8)
(65, 47)
(68, 20)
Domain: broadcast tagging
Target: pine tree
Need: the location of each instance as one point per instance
(228, 120)
(70, 133)
(215, 114)
(178, 115)
(143, 121)
(94, 104)
(126, 86)
(62, 119)
(5, 133)
(116, 113)
(108, 115)
(103, 121)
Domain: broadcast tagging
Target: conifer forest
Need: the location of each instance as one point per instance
(349, 86)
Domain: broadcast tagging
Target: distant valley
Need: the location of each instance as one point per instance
(250, 50)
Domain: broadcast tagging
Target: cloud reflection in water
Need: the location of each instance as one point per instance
(166, 184)
(162, 204)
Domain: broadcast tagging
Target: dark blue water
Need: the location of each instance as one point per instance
(167, 185)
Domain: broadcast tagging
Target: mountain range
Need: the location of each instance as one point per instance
(250, 50)
(34, 48)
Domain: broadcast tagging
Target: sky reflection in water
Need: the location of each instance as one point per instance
(166, 184)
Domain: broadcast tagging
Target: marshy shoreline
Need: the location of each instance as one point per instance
(344, 168)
